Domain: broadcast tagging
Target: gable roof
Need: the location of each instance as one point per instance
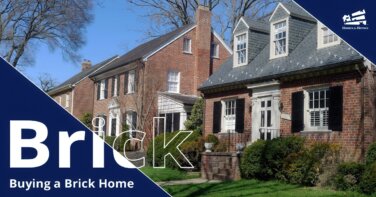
(304, 58)
(258, 25)
(80, 76)
(293, 9)
(147, 48)
(181, 98)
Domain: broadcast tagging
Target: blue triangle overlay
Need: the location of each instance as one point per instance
(330, 13)
(21, 100)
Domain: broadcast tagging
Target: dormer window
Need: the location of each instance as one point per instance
(326, 37)
(241, 41)
(279, 39)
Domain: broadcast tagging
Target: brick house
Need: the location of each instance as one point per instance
(76, 93)
(291, 75)
(159, 78)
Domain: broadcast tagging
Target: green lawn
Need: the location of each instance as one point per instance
(252, 188)
(168, 174)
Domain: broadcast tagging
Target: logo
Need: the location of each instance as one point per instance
(355, 21)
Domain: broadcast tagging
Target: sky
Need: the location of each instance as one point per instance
(114, 30)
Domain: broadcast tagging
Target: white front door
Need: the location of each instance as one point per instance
(229, 117)
(266, 117)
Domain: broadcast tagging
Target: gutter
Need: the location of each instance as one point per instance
(61, 89)
(269, 77)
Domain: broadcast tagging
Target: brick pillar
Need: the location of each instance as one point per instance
(203, 42)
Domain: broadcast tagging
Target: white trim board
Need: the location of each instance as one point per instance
(279, 5)
(222, 42)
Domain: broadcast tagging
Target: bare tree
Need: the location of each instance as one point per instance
(46, 82)
(170, 14)
(57, 23)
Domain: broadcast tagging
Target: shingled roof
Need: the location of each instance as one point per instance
(304, 58)
(79, 76)
(144, 50)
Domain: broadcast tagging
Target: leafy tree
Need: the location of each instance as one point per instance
(195, 121)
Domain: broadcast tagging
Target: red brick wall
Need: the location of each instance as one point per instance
(62, 95)
(350, 139)
(83, 98)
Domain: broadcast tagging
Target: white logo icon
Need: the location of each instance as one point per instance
(356, 18)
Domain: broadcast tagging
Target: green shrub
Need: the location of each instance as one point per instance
(251, 163)
(193, 150)
(371, 154)
(159, 153)
(110, 140)
(220, 147)
(304, 167)
(212, 139)
(86, 120)
(348, 176)
(368, 181)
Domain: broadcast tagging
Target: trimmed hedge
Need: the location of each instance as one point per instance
(349, 176)
(368, 181)
(371, 154)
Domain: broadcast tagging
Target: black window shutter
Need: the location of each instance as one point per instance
(98, 90)
(105, 88)
(176, 121)
(297, 112)
(168, 122)
(217, 116)
(96, 124)
(105, 123)
(117, 85)
(135, 80)
(335, 108)
(134, 120)
(126, 83)
(239, 121)
(113, 87)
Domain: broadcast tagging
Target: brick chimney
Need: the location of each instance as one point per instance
(86, 64)
(203, 42)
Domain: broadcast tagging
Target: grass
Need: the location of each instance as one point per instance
(168, 174)
(253, 188)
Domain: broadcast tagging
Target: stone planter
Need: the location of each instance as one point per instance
(208, 146)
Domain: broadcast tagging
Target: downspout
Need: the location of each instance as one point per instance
(362, 110)
(203, 115)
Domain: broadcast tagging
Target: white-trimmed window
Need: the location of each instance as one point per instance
(279, 39)
(241, 49)
(131, 81)
(67, 100)
(214, 50)
(187, 45)
(173, 81)
(102, 89)
(326, 37)
(318, 109)
(115, 82)
(59, 100)
(229, 117)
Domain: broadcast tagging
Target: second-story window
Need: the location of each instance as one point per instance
(214, 50)
(326, 37)
(67, 100)
(131, 81)
(280, 34)
(173, 80)
(102, 89)
(187, 45)
(115, 86)
(241, 49)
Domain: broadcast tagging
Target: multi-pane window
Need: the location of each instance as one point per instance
(131, 81)
(328, 36)
(214, 50)
(102, 89)
(241, 49)
(318, 108)
(187, 45)
(280, 33)
(173, 81)
(266, 113)
(115, 84)
(230, 115)
(67, 100)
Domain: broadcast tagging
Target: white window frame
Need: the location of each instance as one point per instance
(307, 112)
(131, 81)
(320, 37)
(102, 89)
(224, 111)
(214, 49)
(236, 63)
(67, 100)
(59, 100)
(272, 39)
(177, 81)
(116, 86)
(189, 45)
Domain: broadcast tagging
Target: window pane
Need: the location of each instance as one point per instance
(269, 103)
(262, 103)
(269, 122)
(262, 118)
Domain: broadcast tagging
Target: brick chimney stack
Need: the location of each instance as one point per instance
(86, 64)
(203, 43)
